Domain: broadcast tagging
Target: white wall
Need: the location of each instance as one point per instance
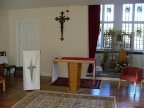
(75, 34)
(4, 30)
(138, 61)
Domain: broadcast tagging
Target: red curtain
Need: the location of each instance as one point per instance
(94, 27)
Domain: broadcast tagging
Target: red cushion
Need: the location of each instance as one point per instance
(133, 74)
(129, 78)
(1, 78)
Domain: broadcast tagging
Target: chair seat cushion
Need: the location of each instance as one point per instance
(129, 78)
(1, 78)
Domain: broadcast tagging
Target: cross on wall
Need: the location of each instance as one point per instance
(62, 20)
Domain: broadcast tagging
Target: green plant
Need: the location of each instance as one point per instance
(104, 58)
(113, 32)
(111, 36)
(138, 31)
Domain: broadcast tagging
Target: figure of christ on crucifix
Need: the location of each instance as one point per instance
(62, 19)
(31, 68)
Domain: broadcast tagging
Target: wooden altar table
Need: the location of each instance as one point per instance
(74, 70)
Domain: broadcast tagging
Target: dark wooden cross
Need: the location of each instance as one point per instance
(31, 68)
(62, 19)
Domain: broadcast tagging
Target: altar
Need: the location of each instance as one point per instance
(74, 70)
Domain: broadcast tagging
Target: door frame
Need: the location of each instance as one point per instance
(18, 38)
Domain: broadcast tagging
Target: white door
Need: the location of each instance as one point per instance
(27, 38)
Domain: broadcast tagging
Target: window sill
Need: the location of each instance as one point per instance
(128, 52)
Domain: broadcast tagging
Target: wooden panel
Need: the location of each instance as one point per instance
(74, 71)
(75, 61)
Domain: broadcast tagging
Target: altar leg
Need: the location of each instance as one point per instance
(74, 71)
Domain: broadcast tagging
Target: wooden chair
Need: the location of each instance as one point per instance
(132, 74)
(2, 79)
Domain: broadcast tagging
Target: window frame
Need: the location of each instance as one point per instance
(117, 24)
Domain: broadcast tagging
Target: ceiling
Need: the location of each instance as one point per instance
(17, 4)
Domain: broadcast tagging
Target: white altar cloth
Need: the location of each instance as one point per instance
(55, 71)
(31, 70)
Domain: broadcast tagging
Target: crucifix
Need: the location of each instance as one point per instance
(31, 68)
(62, 19)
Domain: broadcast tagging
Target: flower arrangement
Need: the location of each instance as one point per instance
(122, 60)
(119, 66)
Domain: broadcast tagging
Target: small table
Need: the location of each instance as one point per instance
(74, 70)
(8, 68)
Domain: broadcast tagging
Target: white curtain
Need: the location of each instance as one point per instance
(31, 70)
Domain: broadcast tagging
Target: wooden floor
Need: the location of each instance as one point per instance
(124, 98)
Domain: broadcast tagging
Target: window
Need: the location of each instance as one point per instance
(125, 17)
(107, 19)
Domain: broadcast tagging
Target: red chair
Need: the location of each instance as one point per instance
(2, 79)
(132, 74)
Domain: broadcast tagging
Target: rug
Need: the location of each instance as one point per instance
(49, 99)
(84, 83)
